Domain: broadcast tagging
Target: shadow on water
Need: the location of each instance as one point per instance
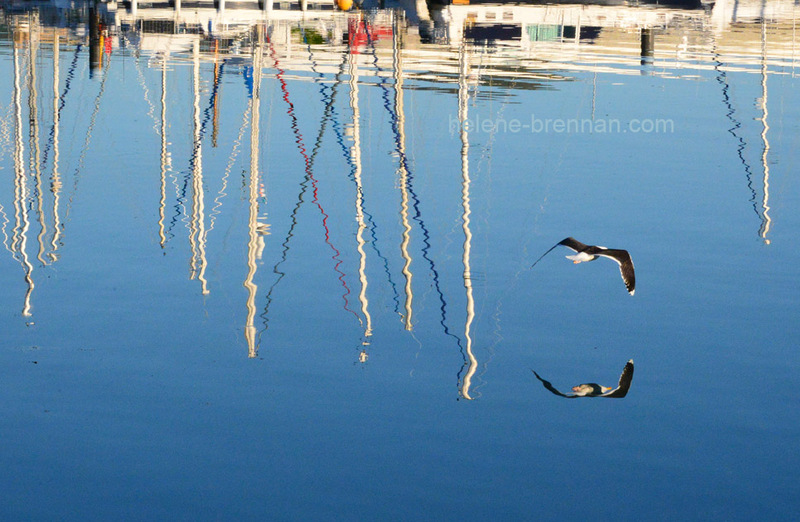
(593, 389)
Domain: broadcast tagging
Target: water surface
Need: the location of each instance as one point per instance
(277, 265)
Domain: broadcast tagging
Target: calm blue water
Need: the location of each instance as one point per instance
(277, 281)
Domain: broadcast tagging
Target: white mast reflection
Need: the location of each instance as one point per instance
(55, 184)
(766, 222)
(33, 134)
(22, 224)
(197, 221)
(356, 155)
(463, 99)
(164, 153)
(255, 242)
(401, 145)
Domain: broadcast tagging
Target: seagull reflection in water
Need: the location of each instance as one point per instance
(596, 390)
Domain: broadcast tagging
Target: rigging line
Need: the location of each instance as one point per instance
(62, 102)
(3, 228)
(309, 172)
(337, 129)
(722, 79)
(146, 94)
(317, 145)
(331, 113)
(194, 157)
(523, 267)
(231, 160)
(212, 100)
(7, 148)
(416, 204)
(5, 131)
(284, 254)
(293, 217)
(5, 137)
(76, 177)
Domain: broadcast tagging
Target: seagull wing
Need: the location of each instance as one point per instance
(625, 380)
(573, 244)
(569, 242)
(551, 388)
(623, 259)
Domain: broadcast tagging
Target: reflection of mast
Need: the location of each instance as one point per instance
(398, 128)
(55, 183)
(197, 222)
(19, 241)
(356, 155)
(463, 95)
(401, 151)
(33, 136)
(766, 221)
(217, 73)
(722, 78)
(163, 201)
(255, 242)
(95, 42)
(648, 45)
(329, 102)
(309, 171)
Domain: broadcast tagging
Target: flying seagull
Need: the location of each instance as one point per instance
(591, 252)
(595, 390)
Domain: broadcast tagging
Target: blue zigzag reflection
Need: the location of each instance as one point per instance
(309, 177)
(403, 160)
(346, 153)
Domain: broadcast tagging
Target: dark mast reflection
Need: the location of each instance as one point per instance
(95, 44)
(722, 79)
